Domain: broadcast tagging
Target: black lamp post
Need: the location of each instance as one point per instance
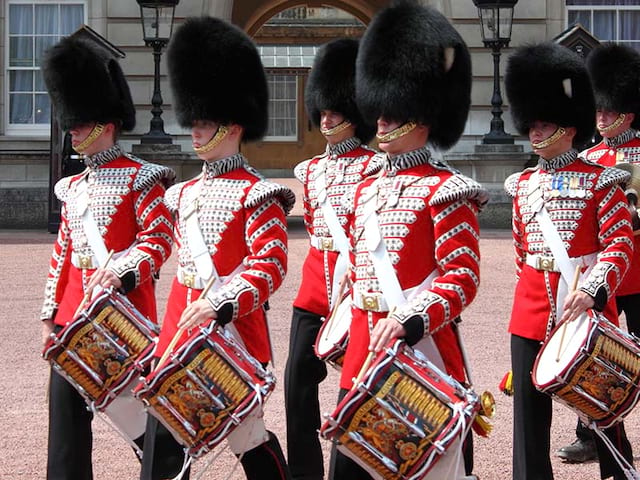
(496, 17)
(157, 24)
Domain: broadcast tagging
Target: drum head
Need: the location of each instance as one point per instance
(335, 329)
(554, 360)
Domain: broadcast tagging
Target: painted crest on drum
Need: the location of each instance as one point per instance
(402, 418)
(104, 350)
(596, 371)
(206, 390)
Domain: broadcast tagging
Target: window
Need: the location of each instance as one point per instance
(33, 26)
(608, 20)
(285, 66)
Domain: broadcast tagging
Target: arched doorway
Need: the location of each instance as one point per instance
(288, 36)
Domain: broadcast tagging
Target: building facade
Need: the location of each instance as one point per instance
(288, 33)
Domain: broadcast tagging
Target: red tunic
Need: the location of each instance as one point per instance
(126, 201)
(427, 217)
(624, 148)
(588, 208)
(344, 165)
(242, 220)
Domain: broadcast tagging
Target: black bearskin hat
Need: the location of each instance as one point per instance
(615, 76)
(216, 74)
(548, 82)
(414, 66)
(86, 84)
(331, 86)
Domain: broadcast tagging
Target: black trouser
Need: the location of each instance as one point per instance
(162, 455)
(532, 412)
(303, 373)
(70, 438)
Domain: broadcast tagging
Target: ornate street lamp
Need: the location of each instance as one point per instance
(157, 24)
(496, 17)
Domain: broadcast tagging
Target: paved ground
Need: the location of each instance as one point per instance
(23, 419)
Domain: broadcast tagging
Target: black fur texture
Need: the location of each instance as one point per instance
(331, 86)
(534, 82)
(401, 74)
(86, 85)
(615, 76)
(216, 74)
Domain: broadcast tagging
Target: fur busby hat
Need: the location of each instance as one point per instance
(414, 66)
(615, 76)
(216, 74)
(548, 82)
(86, 84)
(331, 85)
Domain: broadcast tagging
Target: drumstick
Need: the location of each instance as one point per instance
(574, 285)
(87, 296)
(363, 370)
(181, 330)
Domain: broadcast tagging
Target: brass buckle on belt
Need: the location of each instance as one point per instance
(188, 280)
(370, 303)
(326, 243)
(85, 262)
(545, 263)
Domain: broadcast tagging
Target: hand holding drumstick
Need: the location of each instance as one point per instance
(195, 312)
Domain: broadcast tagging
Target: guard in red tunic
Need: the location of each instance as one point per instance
(330, 103)
(413, 229)
(565, 207)
(116, 204)
(615, 76)
(229, 221)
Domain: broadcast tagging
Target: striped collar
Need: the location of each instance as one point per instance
(558, 162)
(222, 166)
(624, 137)
(394, 164)
(343, 147)
(98, 159)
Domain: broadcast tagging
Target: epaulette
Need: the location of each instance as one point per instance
(457, 187)
(376, 163)
(440, 165)
(152, 173)
(300, 171)
(61, 188)
(612, 176)
(511, 184)
(265, 189)
(172, 196)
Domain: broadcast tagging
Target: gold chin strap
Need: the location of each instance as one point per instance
(616, 123)
(328, 132)
(397, 133)
(214, 142)
(93, 135)
(551, 140)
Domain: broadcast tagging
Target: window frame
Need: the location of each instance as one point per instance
(27, 129)
(593, 8)
(297, 75)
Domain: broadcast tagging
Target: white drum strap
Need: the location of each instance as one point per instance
(197, 245)
(560, 255)
(91, 230)
(385, 272)
(337, 233)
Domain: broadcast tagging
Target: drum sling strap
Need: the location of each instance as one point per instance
(337, 233)
(125, 414)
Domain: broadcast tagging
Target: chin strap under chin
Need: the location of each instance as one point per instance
(616, 123)
(93, 135)
(551, 140)
(401, 131)
(328, 132)
(215, 140)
